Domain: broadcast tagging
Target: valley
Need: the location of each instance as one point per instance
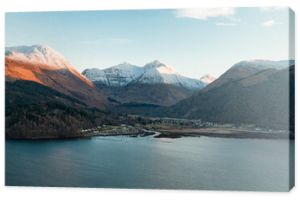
(137, 126)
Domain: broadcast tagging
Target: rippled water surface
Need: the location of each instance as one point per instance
(146, 162)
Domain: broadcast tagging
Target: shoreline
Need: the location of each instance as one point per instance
(238, 135)
(174, 134)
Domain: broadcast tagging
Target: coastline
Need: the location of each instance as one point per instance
(171, 133)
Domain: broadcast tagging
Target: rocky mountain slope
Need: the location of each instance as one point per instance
(43, 65)
(46, 97)
(152, 73)
(243, 94)
(246, 68)
(154, 83)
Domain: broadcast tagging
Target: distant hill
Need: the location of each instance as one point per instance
(246, 68)
(263, 97)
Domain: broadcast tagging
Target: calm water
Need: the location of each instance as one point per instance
(125, 162)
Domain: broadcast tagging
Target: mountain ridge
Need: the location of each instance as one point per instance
(263, 98)
(246, 68)
(151, 73)
(45, 66)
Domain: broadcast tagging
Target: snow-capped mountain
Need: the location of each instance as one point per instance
(119, 75)
(262, 98)
(246, 68)
(263, 64)
(38, 54)
(43, 56)
(207, 79)
(151, 73)
(157, 72)
(45, 66)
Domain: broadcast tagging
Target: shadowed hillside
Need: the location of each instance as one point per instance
(37, 111)
(156, 94)
(264, 99)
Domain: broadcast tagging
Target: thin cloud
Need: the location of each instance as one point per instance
(204, 13)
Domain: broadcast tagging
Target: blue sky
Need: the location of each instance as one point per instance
(194, 41)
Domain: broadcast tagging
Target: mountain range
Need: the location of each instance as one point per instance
(46, 95)
(124, 83)
(154, 72)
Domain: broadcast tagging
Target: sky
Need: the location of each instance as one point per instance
(194, 41)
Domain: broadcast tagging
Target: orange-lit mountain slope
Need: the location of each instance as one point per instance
(45, 66)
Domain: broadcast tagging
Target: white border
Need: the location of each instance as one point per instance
(79, 193)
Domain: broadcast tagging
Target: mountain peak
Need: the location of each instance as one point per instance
(118, 75)
(160, 67)
(154, 64)
(152, 73)
(263, 64)
(28, 49)
(38, 54)
(124, 64)
(207, 79)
